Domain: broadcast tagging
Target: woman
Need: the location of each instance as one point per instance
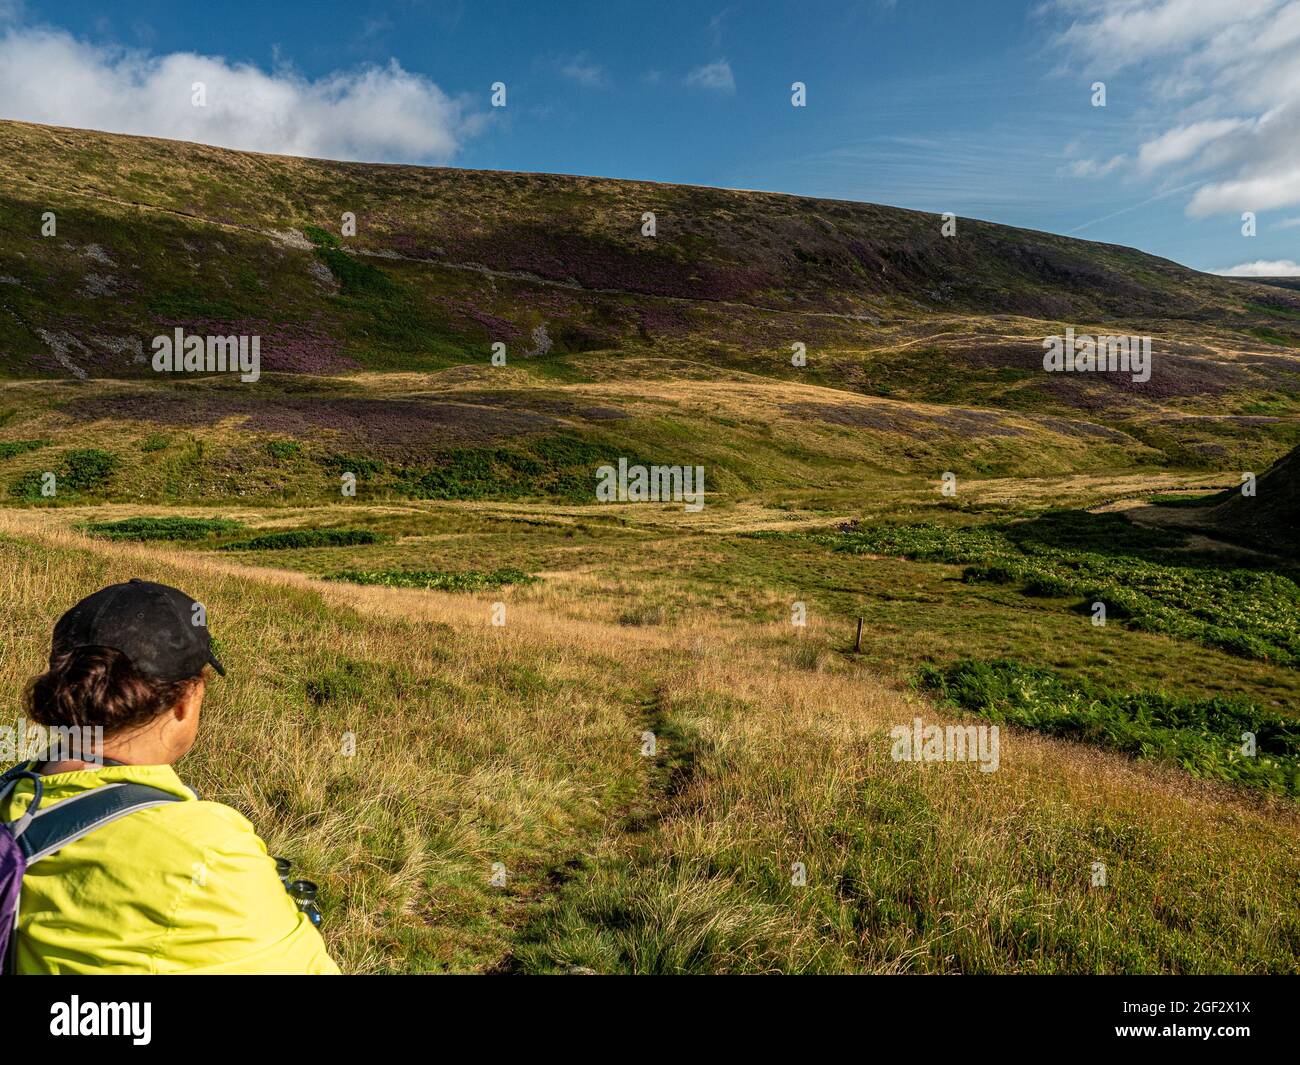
(173, 884)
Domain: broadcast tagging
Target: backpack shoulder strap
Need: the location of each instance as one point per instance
(54, 827)
(10, 777)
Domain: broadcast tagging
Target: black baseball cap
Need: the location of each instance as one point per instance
(156, 626)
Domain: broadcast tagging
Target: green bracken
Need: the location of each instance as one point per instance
(165, 528)
(1206, 737)
(283, 541)
(468, 581)
(1138, 576)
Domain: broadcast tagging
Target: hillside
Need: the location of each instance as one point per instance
(1271, 517)
(1279, 282)
(148, 224)
(924, 352)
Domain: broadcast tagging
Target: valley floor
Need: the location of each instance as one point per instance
(522, 748)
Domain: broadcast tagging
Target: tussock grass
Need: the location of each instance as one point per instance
(473, 745)
(478, 744)
(914, 868)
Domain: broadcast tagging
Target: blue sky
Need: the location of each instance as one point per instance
(984, 109)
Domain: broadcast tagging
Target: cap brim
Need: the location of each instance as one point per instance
(215, 662)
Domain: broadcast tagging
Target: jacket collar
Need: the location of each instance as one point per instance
(163, 777)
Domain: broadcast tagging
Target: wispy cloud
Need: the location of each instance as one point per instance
(1131, 207)
(716, 25)
(715, 76)
(947, 172)
(381, 113)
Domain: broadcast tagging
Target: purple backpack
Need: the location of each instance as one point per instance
(39, 833)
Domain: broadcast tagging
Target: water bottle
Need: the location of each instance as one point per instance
(303, 893)
(282, 867)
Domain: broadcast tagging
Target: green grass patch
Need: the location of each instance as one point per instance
(1137, 573)
(283, 449)
(282, 541)
(466, 581)
(357, 465)
(11, 448)
(555, 467)
(355, 276)
(1274, 311)
(80, 470)
(1206, 737)
(322, 238)
(1274, 336)
(87, 468)
(162, 528)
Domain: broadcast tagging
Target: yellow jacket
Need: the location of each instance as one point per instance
(185, 887)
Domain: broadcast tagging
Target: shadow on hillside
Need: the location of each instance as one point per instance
(1115, 536)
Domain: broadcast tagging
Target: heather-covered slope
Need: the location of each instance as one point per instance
(939, 338)
(154, 230)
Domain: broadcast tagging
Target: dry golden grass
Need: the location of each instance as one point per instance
(520, 745)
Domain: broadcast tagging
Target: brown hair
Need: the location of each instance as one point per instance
(98, 686)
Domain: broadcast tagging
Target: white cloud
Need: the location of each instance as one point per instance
(1121, 32)
(1092, 168)
(716, 76)
(581, 69)
(1263, 165)
(1263, 268)
(1183, 142)
(381, 113)
(1288, 223)
(1229, 73)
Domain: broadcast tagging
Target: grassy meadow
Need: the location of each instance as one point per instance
(521, 744)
